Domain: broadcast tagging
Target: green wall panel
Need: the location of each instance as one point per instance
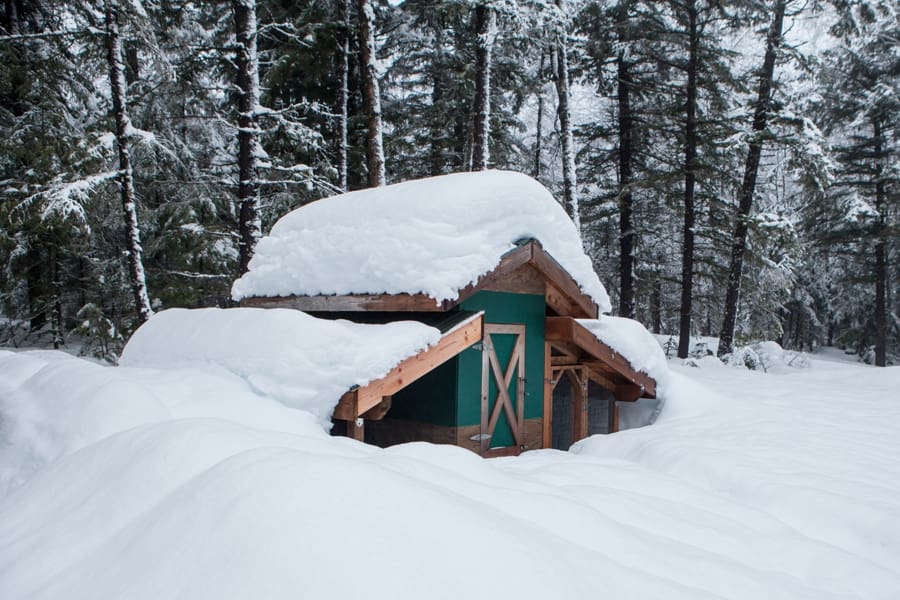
(431, 399)
(504, 307)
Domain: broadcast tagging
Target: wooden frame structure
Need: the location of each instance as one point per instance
(509, 421)
(572, 350)
(372, 401)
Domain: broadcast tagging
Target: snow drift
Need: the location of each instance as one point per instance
(286, 355)
(433, 236)
(187, 483)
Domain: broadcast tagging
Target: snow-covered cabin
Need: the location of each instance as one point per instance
(492, 261)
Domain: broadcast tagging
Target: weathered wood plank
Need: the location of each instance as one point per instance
(564, 283)
(547, 425)
(351, 303)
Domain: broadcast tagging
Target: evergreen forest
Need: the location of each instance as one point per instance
(733, 166)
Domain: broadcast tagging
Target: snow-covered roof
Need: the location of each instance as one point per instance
(299, 360)
(630, 339)
(433, 236)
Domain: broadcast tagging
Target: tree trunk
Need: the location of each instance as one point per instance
(748, 186)
(690, 160)
(342, 112)
(881, 271)
(126, 179)
(626, 138)
(12, 19)
(249, 226)
(371, 94)
(485, 29)
(437, 133)
(536, 168)
(656, 306)
(570, 194)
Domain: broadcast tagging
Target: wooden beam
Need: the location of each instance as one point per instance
(600, 380)
(351, 303)
(564, 286)
(346, 408)
(377, 412)
(567, 329)
(547, 426)
(628, 392)
(357, 402)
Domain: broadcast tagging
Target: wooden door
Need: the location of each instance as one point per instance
(502, 389)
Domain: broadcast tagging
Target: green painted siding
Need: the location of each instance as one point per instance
(504, 307)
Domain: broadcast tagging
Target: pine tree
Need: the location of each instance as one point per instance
(861, 107)
(751, 170)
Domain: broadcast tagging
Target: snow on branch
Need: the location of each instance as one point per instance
(66, 199)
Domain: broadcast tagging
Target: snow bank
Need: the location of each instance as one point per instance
(433, 236)
(52, 404)
(289, 356)
(630, 339)
(187, 484)
(815, 449)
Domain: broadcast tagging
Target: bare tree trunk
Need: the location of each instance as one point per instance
(881, 271)
(690, 164)
(626, 133)
(437, 135)
(126, 179)
(343, 70)
(570, 193)
(12, 19)
(536, 168)
(748, 186)
(485, 29)
(656, 305)
(371, 94)
(249, 226)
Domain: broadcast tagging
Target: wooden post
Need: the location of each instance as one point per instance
(356, 429)
(585, 400)
(520, 390)
(485, 390)
(547, 440)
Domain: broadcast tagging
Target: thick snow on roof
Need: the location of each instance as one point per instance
(432, 236)
(290, 356)
(143, 483)
(630, 339)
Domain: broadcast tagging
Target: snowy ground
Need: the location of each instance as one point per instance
(135, 483)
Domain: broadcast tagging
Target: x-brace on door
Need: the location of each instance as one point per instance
(510, 404)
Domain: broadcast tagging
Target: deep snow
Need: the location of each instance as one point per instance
(433, 235)
(286, 355)
(146, 484)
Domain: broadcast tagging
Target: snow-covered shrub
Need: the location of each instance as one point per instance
(101, 338)
(744, 356)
